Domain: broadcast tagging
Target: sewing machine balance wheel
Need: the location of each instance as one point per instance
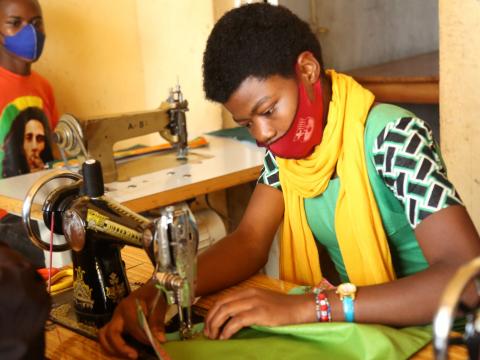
(51, 207)
(450, 304)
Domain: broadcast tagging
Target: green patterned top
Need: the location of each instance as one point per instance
(408, 179)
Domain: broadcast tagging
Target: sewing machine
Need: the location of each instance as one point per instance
(95, 228)
(94, 138)
(451, 306)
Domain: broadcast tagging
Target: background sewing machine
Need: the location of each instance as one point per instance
(95, 137)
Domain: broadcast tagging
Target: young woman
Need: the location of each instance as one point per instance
(364, 180)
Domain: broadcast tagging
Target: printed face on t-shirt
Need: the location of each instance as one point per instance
(34, 144)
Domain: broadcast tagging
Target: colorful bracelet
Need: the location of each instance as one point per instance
(322, 306)
(346, 293)
(348, 309)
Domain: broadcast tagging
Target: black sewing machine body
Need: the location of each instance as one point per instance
(96, 228)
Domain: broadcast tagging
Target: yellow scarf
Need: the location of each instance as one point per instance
(358, 224)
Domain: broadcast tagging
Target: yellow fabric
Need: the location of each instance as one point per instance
(358, 224)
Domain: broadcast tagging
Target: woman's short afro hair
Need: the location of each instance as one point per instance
(258, 40)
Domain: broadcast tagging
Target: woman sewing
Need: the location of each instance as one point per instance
(364, 180)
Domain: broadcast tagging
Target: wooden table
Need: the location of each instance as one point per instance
(63, 344)
(412, 80)
(222, 164)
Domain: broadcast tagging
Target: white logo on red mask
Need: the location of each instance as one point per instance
(306, 130)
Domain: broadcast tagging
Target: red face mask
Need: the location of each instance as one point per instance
(306, 130)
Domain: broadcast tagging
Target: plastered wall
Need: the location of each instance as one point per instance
(92, 57)
(172, 37)
(460, 97)
(113, 56)
(366, 32)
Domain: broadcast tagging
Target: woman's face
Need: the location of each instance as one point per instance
(34, 144)
(15, 14)
(266, 107)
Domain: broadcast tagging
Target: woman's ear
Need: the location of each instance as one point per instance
(308, 68)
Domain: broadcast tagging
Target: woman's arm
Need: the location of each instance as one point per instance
(231, 260)
(448, 239)
(245, 251)
(445, 234)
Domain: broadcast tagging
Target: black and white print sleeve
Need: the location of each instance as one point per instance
(407, 158)
(269, 175)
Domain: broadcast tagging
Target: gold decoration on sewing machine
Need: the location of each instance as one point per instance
(125, 211)
(117, 290)
(82, 293)
(101, 223)
(170, 240)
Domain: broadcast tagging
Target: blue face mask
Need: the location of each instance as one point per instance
(27, 43)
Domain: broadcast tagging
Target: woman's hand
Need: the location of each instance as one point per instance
(257, 307)
(124, 321)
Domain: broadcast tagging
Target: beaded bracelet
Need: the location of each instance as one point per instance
(322, 306)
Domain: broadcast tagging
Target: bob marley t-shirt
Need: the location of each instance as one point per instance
(27, 116)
